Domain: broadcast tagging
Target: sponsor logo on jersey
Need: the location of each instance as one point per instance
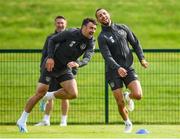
(112, 40)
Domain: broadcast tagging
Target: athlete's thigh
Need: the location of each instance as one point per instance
(42, 88)
(70, 85)
(135, 87)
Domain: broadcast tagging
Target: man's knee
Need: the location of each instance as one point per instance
(41, 91)
(135, 88)
(40, 94)
(73, 94)
(138, 95)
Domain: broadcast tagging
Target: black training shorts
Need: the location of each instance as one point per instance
(115, 81)
(57, 74)
(54, 85)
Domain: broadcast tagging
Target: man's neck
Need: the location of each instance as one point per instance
(59, 30)
(109, 24)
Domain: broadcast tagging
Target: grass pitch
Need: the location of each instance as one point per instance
(91, 131)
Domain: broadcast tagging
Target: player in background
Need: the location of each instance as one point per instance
(60, 25)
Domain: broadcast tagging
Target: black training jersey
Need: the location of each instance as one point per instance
(45, 48)
(113, 43)
(72, 44)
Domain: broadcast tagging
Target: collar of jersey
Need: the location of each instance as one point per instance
(108, 28)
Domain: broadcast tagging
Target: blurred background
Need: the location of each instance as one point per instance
(26, 23)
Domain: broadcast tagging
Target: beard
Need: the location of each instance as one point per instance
(106, 23)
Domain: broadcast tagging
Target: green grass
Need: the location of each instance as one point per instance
(25, 24)
(91, 131)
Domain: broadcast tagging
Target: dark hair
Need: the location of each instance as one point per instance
(97, 11)
(87, 20)
(60, 17)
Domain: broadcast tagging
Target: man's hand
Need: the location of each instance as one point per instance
(50, 64)
(122, 72)
(144, 63)
(72, 64)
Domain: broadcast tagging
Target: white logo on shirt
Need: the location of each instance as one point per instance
(112, 84)
(72, 43)
(48, 79)
(112, 40)
(122, 32)
(83, 46)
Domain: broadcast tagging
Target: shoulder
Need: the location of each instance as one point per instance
(72, 30)
(50, 35)
(122, 26)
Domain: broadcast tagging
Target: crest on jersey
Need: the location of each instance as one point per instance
(122, 32)
(83, 46)
(72, 43)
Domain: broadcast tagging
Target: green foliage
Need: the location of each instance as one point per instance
(25, 24)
